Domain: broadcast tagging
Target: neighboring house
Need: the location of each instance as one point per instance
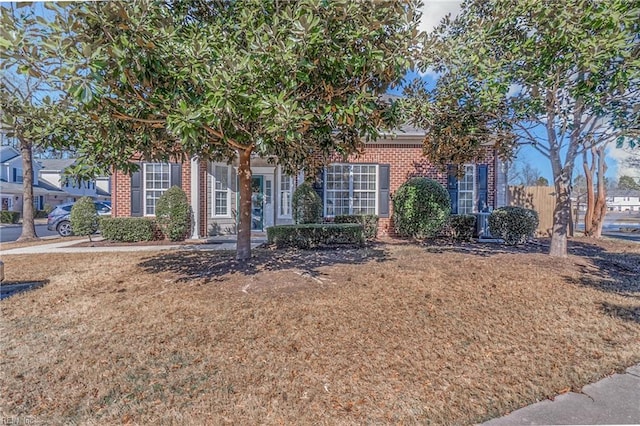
(52, 173)
(360, 185)
(623, 200)
(11, 182)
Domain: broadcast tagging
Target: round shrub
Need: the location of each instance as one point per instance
(421, 208)
(173, 214)
(84, 217)
(515, 225)
(306, 204)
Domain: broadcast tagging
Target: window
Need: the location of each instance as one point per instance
(221, 190)
(157, 179)
(284, 195)
(466, 191)
(17, 175)
(351, 189)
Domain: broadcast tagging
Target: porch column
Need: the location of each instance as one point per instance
(195, 197)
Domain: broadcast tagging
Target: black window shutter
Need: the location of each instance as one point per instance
(452, 187)
(136, 192)
(383, 191)
(483, 185)
(176, 174)
(318, 185)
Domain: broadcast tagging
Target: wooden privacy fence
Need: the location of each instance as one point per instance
(539, 198)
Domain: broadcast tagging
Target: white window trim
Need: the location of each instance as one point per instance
(229, 168)
(474, 190)
(281, 177)
(144, 186)
(351, 191)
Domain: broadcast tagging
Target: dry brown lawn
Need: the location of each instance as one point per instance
(394, 333)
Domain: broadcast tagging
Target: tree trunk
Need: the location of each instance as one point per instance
(596, 204)
(600, 209)
(588, 174)
(243, 250)
(561, 215)
(28, 225)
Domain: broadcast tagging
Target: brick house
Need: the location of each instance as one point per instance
(361, 185)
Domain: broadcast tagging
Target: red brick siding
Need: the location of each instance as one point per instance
(121, 191)
(406, 161)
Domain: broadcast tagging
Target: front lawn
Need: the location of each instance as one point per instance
(393, 333)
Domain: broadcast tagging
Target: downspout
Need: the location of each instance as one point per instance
(195, 197)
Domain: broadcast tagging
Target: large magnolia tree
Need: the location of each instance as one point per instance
(561, 76)
(297, 80)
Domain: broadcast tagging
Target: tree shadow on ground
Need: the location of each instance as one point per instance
(603, 270)
(212, 265)
(609, 271)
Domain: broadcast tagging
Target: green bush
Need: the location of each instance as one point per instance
(129, 229)
(313, 235)
(461, 227)
(306, 204)
(9, 217)
(515, 225)
(421, 208)
(84, 218)
(173, 214)
(369, 223)
(48, 208)
(40, 214)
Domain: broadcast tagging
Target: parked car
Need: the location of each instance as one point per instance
(60, 218)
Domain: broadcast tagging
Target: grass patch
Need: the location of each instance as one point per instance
(392, 333)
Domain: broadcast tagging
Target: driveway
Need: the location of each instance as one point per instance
(9, 233)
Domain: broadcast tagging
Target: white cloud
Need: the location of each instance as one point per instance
(434, 10)
(619, 155)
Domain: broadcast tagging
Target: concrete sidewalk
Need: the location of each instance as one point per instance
(67, 247)
(613, 400)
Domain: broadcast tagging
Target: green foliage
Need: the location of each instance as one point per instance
(9, 217)
(561, 75)
(173, 214)
(306, 204)
(129, 229)
(224, 80)
(369, 223)
(627, 182)
(461, 227)
(84, 218)
(41, 214)
(515, 225)
(308, 236)
(421, 208)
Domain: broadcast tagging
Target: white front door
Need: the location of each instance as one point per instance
(261, 201)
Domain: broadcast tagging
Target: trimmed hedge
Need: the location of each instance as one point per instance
(9, 217)
(462, 227)
(515, 225)
(84, 217)
(173, 214)
(129, 229)
(313, 235)
(421, 208)
(306, 204)
(369, 223)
